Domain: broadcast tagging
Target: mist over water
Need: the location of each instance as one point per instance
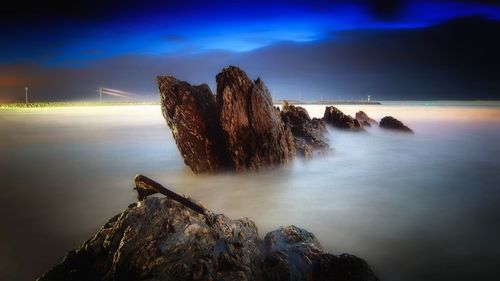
(416, 207)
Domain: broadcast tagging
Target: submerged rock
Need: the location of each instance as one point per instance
(338, 119)
(161, 239)
(392, 123)
(309, 133)
(191, 114)
(255, 135)
(364, 119)
(365, 123)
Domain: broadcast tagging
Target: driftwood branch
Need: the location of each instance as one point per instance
(146, 186)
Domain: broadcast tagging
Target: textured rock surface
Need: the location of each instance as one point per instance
(302, 148)
(365, 123)
(309, 133)
(293, 253)
(160, 239)
(239, 129)
(255, 135)
(392, 123)
(364, 119)
(338, 119)
(191, 114)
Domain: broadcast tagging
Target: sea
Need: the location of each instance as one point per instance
(423, 206)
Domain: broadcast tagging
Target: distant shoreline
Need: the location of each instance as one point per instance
(327, 102)
(487, 103)
(70, 104)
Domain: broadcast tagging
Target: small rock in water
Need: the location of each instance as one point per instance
(392, 123)
(364, 119)
(338, 119)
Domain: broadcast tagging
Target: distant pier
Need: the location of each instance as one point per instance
(328, 102)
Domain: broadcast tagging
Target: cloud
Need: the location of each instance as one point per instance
(69, 35)
(456, 60)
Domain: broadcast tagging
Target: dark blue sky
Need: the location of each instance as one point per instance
(64, 50)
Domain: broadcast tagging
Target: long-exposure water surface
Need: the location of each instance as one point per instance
(416, 207)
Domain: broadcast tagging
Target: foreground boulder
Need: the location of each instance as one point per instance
(160, 239)
(309, 134)
(392, 123)
(338, 119)
(254, 133)
(364, 119)
(239, 129)
(165, 239)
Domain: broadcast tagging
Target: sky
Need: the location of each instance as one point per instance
(391, 50)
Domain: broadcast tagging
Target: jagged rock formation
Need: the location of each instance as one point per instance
(161, 239)
(364, 119)
(191, 113)
(308, 133)
(239, 129)
(255, 135)
(338, 119)
(392, 123)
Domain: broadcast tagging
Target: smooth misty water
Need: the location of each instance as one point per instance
(416, 207)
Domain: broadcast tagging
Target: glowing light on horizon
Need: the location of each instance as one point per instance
(117, 93)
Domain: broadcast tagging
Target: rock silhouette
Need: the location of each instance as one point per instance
(392, 123)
